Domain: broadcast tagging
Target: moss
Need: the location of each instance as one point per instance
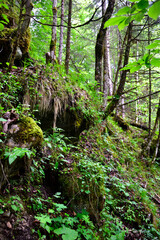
(29, 132)
(7, 33)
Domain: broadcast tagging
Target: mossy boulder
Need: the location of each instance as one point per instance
(26, 133)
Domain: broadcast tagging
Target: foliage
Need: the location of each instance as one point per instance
(16, 152)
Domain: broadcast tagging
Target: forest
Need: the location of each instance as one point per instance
(79, 120)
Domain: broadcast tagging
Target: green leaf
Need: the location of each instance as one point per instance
(142, 4)
(153, 45)
(1, 27)
(17, 152)
(155, 62)
(5, 17)
(3, 120)
(134, 69)
(138, 17)
(67, 233)
(124, 10)
(114, 21)
(1, 211)
(5, 6)
(154, 10)
(14, 207)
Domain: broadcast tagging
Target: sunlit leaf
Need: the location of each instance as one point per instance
(114, 21)
(153, 45)
(155, 62)
(1, 27)
(154, 10)
(134, 69)
(124, 10)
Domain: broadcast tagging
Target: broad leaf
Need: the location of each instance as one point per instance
(124, 10)
(67, 233)
(153, 45)
(155, 62)
(134, 69)
(142, 4)
(154, 10)
(1, 27)
(114, 21)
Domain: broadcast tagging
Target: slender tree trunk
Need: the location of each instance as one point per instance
(61, 33)
(157, 146)
(53, 38)
(137, 79)
(150, 137)
(107, 82)
(99, 43)
(120, 55)
(68, 37)
(150, 81)
(113, 104)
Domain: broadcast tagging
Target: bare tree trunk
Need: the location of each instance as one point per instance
(61, 33)
(149, 140)
(107, 82)
(53, 38)
(157, 146)
(68, 37)
(99, 43)
(137, 79)
(150, 81)
(113, 104)
(121, 46)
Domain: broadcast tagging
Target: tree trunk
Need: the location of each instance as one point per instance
(150, 81)
(68, 37)
(99, 43)
(61, 33)
(22, 27)
(107, 82)
(121, 46)
(113, 104)
(53, 39)
(151, 135)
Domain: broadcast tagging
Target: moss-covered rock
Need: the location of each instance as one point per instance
(26, 133)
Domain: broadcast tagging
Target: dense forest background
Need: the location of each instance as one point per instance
(80, 119)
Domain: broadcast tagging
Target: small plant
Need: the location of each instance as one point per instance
(16, 152)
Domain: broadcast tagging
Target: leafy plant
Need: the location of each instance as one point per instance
(16, 152)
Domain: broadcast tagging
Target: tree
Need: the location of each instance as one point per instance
(100, 41)
(53, 38)
(107, 81)
(23, 24)
(68, 37)
(61, 33)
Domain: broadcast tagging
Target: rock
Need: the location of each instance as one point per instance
(25, 134)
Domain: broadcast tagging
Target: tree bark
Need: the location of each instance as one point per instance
(53, 39)
(61, 33)
(113, 104)
(68, 37)
(107, 82)
(99, 43)
(22, 27)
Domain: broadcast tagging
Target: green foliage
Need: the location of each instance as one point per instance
(13, 154)
(136, 12)
(67, 233)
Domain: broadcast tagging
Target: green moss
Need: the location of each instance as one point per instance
(29, 132)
